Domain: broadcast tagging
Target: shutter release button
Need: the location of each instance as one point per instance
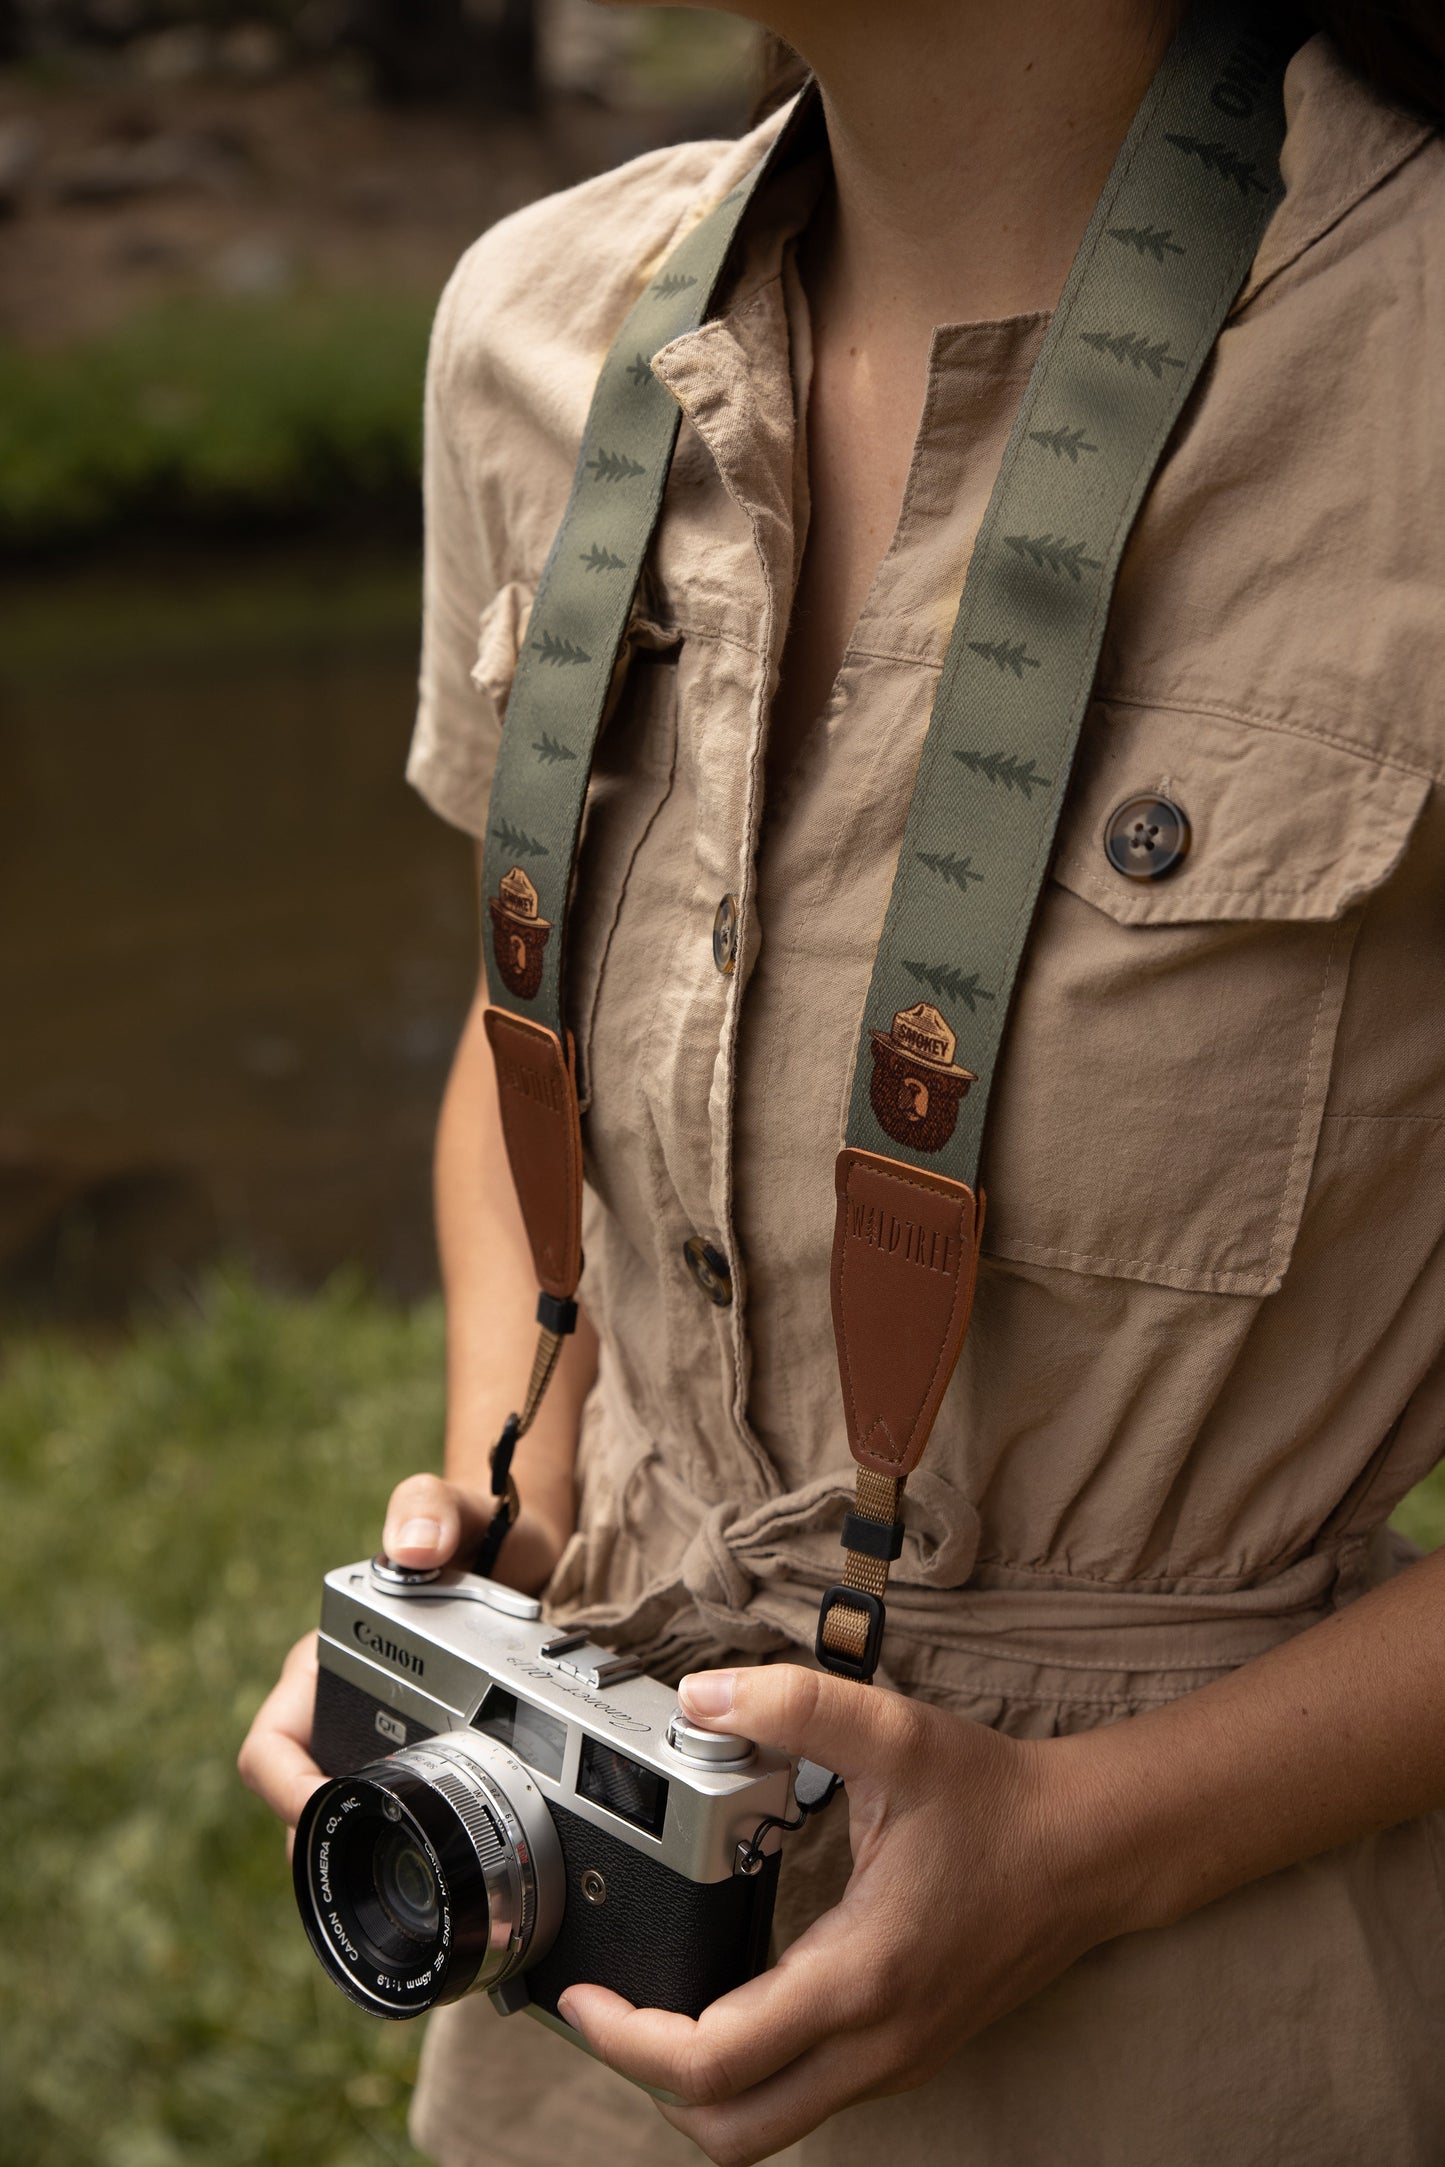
(1147, 837)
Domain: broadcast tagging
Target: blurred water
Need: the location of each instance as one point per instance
(234, 952)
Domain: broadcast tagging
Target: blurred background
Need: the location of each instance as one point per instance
(234, 958)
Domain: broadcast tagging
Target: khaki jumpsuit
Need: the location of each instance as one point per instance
(1206, 1354)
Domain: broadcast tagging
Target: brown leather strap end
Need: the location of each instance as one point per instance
(905, 1255)
(537, 1088)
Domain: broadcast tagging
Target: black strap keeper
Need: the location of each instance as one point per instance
(555, 1313)
(872, 1538)
(845, 1666)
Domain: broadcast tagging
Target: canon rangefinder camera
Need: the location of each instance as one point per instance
(514, 1810)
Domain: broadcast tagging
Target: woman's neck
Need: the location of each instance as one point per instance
(970, 139)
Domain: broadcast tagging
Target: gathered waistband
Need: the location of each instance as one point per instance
(742, 1585)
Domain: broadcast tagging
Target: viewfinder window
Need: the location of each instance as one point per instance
(536, 1738)
(623, 1786)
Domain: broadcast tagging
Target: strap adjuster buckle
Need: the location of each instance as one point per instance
(859, 1668)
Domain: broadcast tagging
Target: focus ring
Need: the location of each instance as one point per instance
(475, 1819)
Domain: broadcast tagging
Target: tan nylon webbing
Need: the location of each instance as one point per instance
(877, 1497)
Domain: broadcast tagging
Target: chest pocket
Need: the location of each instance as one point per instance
(1169, 1051)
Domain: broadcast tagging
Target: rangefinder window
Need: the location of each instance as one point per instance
(536, 1738)
(623, 1786)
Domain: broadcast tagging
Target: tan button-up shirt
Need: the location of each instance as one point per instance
(1205, 1360)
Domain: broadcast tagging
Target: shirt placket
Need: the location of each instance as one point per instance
(732, 381)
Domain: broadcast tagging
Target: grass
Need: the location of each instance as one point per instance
(215, 416)
(170, 1503)
(169, 1508)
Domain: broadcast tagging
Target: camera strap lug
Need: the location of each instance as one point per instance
(814, 1788)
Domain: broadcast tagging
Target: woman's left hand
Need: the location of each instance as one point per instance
(980, 1872)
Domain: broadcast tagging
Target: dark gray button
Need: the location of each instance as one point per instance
(1147, 837)
(710, 1269)
(725, 935)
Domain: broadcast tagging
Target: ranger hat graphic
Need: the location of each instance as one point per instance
(519, 935)
(917, 1087)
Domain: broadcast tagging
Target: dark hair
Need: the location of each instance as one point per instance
(1397, 46)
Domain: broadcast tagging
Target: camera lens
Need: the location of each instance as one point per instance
(428, 1874)
(405, 1886)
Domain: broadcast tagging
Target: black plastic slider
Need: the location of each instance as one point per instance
(872, 1538)
(556, 1313)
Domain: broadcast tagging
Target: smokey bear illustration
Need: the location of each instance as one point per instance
(519, 934)
(917, 1087)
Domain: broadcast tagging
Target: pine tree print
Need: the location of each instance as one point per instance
(640, 371)
(1063, 443)
(1051, 553)
(1008, 654)
(614, 466)
(518, 842)
(960, 871)
(673, 282)
(1155, 241)
(1219, 158)
(941, 979)
(552, 750)
(1133, 347)
(1008, 768)
(553, 649)
(598, 559)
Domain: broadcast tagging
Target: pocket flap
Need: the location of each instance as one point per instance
(1283, 826)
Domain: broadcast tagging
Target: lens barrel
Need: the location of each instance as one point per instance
(427, 1874)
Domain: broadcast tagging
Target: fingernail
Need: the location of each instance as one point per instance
(564, 2011)
(419, 1535)
(708, 1692)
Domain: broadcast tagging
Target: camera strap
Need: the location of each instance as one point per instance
(1165, 253)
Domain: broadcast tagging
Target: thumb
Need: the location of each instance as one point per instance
(810, 1714)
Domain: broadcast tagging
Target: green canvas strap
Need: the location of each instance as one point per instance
(1167, 249)
(579, 616)
(1165, 253)
(558, 701)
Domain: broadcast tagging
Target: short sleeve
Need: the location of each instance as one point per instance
(459, 712)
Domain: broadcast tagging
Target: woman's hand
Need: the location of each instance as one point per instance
(977, 1878)
(428, 1522)
(275, 1757)
(431, 1521)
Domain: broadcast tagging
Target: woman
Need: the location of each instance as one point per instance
(1146, 1848)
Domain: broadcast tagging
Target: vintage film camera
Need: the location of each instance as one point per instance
(514, 1810)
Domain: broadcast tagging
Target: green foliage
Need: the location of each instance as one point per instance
(215, 415)
(170, 1506)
